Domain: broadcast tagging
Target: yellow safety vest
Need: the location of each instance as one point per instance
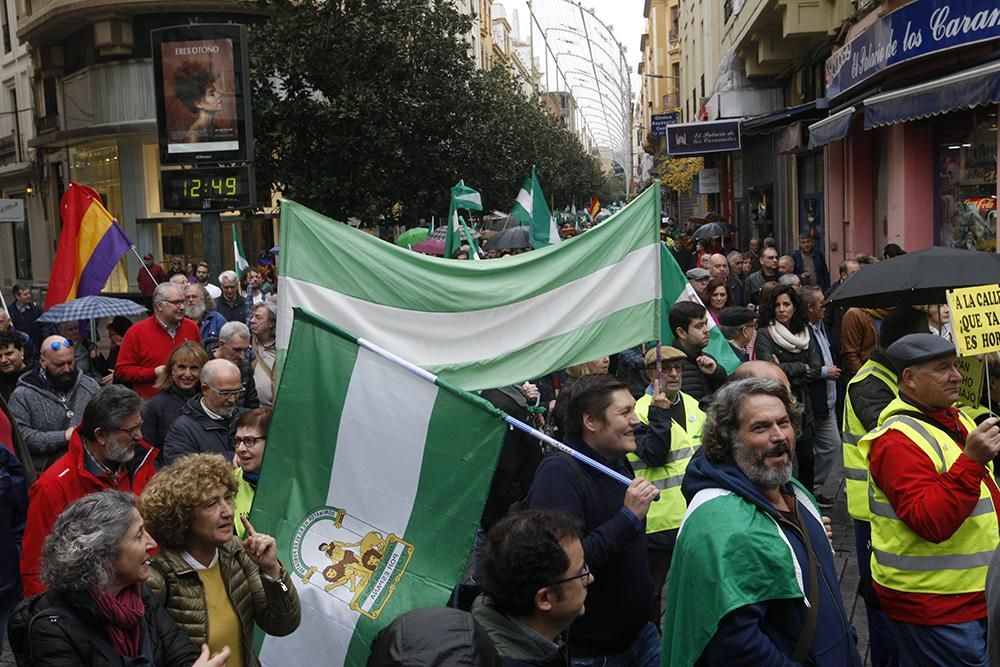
(901, 559)
(856, 464)
(685, 439)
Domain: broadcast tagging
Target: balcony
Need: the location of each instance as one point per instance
(674, 36)
(119, 92)
(15, 128)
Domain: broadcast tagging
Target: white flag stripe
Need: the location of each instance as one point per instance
(463, 200)
(690, 295)
(476, 335)
(525, 199)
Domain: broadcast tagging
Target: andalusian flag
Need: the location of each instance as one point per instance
(462, 196)
(530, 209)
(677, 288)
(241, 258)
(594, 208)
(374, 509)
(480, 324)
(90, 245)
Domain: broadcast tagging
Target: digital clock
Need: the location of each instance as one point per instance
(207, 189)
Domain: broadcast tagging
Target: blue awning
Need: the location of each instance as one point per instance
(979, 85)
(832, 128)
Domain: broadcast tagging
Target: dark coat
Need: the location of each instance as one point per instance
(620, 601)
(802, 368)
(766, 633)
(696, 384)
(432, 637)
(160, 412)
(238, 312)
(27, 321)
(13, 514)
(194, 432)
(42, 633)
(822, 273)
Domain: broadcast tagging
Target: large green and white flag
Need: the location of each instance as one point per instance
(241, 258)
(530, 209)
(677, 288)
(374, 481)
(462, 196)
(480, 324)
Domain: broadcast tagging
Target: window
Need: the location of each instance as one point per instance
(5, 18)
(966, 178)
(22, 246)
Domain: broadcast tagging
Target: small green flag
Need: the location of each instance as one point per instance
(241, 258)
(462, 196)
(530, 209)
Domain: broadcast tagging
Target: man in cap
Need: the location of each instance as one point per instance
(147, 282)
(739, 325)
(669, 436)
(933, 503)
(698, 278)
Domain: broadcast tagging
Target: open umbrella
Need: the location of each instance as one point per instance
(430, 247)
(711, 230)
(916, 278)
(412, 237)
(442, 231)
(91, 308)
(510, 238)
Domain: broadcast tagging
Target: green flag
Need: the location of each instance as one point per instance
(241, 258)
(480, 324)
(677, 288)
(530, 209)
(373, 509)
(462, 196)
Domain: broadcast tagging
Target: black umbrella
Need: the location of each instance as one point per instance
(510, 238)
(711, 230)
(916, 278)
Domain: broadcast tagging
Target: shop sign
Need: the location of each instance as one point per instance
(11, 210)
(914, 30)
(660, 121)
(701, 138)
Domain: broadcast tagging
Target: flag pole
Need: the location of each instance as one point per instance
(2, 300)
(134, 250)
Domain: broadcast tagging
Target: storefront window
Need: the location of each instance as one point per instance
(96, 164)
(811, 198)
(967, 179)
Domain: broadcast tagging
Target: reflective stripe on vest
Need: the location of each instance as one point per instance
(856, 465)
(685, 440)
(901, 559)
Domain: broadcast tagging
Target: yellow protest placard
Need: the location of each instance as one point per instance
(975, 318)
(972, 380)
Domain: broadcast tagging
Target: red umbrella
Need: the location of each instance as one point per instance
(433, 247)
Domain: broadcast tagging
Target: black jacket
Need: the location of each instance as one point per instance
(194, 432)
(802, 368)
(620, 601)
(43, 633)
(696, 384)
(240, 312)
(160, 412)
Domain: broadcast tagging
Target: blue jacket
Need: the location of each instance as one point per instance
(765, 634)
(822, 273)
(620, 601)
(211, 324)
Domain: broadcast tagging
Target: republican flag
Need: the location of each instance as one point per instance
(90, 245)
(594, 208)
(530, 209)
(375, 510)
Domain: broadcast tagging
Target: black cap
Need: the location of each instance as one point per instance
(736, 316)
(917, 348)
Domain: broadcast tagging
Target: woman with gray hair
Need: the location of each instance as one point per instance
(263, 321)
(97, 610)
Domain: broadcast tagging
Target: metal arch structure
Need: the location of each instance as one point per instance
(589, 62)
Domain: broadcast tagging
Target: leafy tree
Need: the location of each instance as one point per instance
(360, 105)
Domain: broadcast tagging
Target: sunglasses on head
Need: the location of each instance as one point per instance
(56, 344)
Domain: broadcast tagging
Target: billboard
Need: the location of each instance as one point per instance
(202, 94)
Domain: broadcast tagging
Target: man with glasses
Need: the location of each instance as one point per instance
(768, 273)
(234, 341)
(233, 305)
(48, 403)
(147, 345)
(207, 423)
(106, 451)
(535, 581)
(739, 325)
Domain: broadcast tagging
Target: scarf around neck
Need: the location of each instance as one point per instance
(122, 613)
(788, 341)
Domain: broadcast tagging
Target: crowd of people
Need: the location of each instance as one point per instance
(125, 489)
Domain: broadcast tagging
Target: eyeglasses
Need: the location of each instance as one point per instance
(228, 393)
(132, 432)
(56, 344)
(248, 440)
(175, 302)
(583, 574)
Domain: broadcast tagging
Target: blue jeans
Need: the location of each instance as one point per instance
(644, 652)
(881, 640)
(957, 645)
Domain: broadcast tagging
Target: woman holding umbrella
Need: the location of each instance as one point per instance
(783, 338)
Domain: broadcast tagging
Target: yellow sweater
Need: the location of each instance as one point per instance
(223, 623)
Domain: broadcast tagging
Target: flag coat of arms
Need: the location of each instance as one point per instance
(375, 478)
(480, 324)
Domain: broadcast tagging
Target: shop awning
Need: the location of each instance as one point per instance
(784, 117)
(832, 128)
(979, 85)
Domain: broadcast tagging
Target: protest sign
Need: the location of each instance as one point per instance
(972, 380)
(975, 319)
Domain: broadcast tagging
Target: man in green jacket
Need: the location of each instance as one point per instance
(534, 585)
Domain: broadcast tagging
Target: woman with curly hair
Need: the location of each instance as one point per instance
(716, 296)
(180, 383)
(783, 338)
(97, 610)
(215, 586)
(194, 86)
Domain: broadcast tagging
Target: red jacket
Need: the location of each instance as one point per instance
(63, 482)
(148, 285)
(146, 346)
